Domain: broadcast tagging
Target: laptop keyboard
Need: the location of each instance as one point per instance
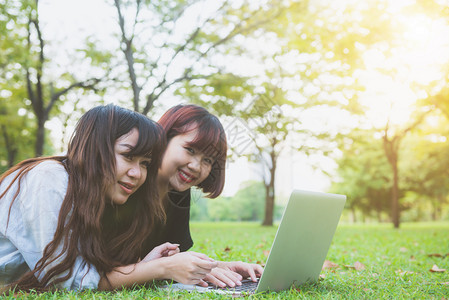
(247, 286)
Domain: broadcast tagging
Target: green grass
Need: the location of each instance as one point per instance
(397, 262)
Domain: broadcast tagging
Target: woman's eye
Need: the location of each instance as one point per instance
(145, 164)
(190, 150)
(127, 156)
(209, 161)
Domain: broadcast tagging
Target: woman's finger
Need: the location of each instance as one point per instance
(169, 246)
(259, 270)
(173, 252)
(254, 271)
(229, 277)
(214, 280)
(202, 283)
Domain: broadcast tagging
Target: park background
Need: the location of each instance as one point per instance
(340, 96)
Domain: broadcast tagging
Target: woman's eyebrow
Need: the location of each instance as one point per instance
(130, 147)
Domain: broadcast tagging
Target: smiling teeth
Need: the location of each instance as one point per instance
(187, 176)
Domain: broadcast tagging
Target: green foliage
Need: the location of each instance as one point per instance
(363, 173)
(246, 205)
(427, 179)
(220, 93)
(365, 176)
(219, 209)
(33, 82)
(371, 26)
(168, 44)
(16, 131)
(199, 209)
(314, 54)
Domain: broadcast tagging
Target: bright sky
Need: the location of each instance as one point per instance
(425, 49)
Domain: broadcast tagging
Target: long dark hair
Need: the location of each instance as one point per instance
(211, 139)
(90, 164)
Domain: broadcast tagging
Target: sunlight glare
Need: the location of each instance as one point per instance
(417, 61)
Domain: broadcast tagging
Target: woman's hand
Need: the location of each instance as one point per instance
(231, 273)
(185, 267)
(164, 250)
(189, 267)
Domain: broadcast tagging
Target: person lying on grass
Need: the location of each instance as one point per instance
(195, 157)
(55, 212)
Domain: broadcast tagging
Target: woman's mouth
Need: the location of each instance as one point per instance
(127, 187)
(186, 177)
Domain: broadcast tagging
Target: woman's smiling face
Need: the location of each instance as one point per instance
(131, 171)
(183, 166)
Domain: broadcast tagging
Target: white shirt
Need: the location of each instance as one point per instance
(32, 224)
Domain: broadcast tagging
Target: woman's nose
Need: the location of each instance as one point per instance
(134, 171)
(195, 164)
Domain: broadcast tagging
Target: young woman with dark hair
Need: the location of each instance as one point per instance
(195, 157)
(55, 211)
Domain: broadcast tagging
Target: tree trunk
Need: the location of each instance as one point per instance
(10, 148)
(12, 158)
(127, 49)
(40, 137)
(269, 194)
(395, 212)
(353, 214)
(269, 206)
(436, 205)
(392, 152)
(391, 147)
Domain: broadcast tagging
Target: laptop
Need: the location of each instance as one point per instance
(299, 248)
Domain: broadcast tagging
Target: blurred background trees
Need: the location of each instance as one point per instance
(361, 84)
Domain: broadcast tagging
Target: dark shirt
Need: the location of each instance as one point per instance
(176, 229)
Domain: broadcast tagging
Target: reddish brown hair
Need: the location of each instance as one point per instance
(90, 163)
(211, 139)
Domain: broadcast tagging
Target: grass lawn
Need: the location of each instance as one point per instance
(371, 262)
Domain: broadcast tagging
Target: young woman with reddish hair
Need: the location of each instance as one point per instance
(64, 222)
(195, 157)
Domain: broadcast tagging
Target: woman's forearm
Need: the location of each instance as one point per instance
(185, 267)
(140, 273)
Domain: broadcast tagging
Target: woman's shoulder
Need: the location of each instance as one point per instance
(45, 184)
(48, 171)
(50, 166)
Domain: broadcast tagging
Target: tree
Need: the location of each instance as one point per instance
(428, 177)
(385, 34)
(247, 203)
(167, 43)
(262, 122)
(219, 209)
(43, 92)
(266, 106)
(391, 146)
(363, 173)
(15, 125)
(15, 133)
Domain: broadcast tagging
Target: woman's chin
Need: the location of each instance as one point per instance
(179, 187)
